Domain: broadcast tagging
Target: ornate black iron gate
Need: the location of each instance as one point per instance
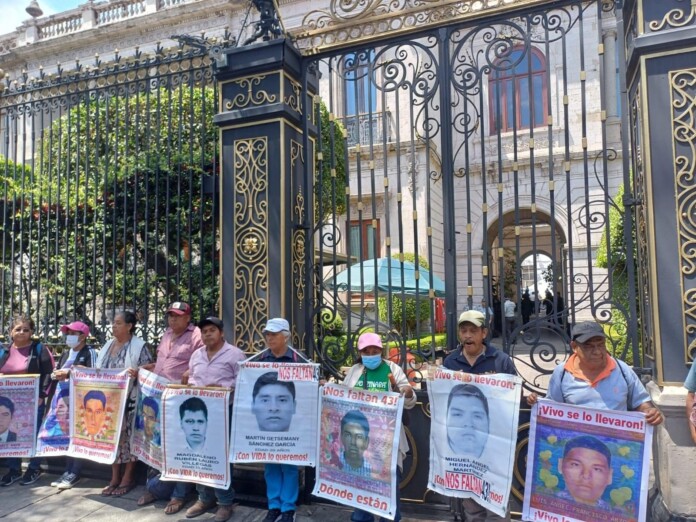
(478, 160)
(460, 164)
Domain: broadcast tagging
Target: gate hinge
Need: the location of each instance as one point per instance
(629, 201)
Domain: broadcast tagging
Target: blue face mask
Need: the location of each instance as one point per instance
(372, 362)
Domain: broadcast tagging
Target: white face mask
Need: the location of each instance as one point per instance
(72, 340)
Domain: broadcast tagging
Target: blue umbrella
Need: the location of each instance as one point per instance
(390, 277)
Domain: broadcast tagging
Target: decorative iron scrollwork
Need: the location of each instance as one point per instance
(683, 96)
(674, 18)
(251, 251)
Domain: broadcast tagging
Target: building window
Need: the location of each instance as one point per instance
(364, 240)
(511, 105)
(359, 89)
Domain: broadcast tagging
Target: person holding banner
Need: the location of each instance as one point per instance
(25, 356)
(178, 343)
(215, 364)
(282, 480)
(473, 355)
(593, 378)
(79, 353)
(372, 373)
(125, 350)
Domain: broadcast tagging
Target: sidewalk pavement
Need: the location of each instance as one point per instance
(40, 502)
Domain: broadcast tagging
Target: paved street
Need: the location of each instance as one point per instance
(40, 503)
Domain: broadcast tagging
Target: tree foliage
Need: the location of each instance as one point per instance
(614, 259)
(119, 212)
(331, 187)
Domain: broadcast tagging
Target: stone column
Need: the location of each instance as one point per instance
(610, 91)
(263, 116)
(660, 40)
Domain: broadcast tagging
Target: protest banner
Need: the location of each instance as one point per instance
(146, 440)
(274, 418)
(358, 448)
(472, 451)
(19, 397)
(586, 464)
(54, 436)
(98, 401)
(192, 452)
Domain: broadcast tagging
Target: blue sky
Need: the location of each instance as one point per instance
(13, 11)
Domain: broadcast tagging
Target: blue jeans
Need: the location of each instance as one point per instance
(34, 463)
(363, 516)
(282, 486)
(167, 489)
(207, 495)
(73, 465)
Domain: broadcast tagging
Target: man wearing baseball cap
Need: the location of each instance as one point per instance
(178, 343)
(282, 480)
(593, 378)
(475, 355)
(215, 364)
(78, 354)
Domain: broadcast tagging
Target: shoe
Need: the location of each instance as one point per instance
(272, 516)
(198, 509)
(30, 476)
(59, 479)
(288, 516)
(69, 481)
(224, 513)
(10, 477)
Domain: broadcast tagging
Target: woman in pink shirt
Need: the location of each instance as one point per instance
(26, 356)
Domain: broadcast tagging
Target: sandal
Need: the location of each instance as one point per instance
(147, 498)
(109, 490)
(174, 506)
(122, 489)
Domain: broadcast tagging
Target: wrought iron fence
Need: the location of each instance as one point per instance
(109, 192)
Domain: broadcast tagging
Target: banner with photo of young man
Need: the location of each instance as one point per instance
(19, 397)
(473, 434)
(98, 401)
(146, 440)
(358, 448)
(586, 464)
(275, 413)
(54, 435)
(195, 435)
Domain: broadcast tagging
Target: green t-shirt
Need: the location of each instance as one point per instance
(377, 379)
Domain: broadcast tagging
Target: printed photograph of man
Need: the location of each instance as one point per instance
(194, 423)
(467, 420)
(7, 409)
(94, 415)
(149, 418)
(355, 438)
(273, 402)
(586, 470)
(58, 422)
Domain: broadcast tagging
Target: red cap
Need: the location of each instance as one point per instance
(179, 308)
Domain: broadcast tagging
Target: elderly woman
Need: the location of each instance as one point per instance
(374, 373)
(125, 350)
(79, 353)
(25, 356)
